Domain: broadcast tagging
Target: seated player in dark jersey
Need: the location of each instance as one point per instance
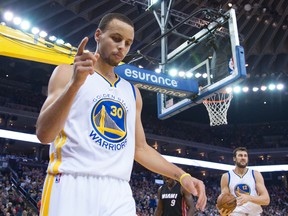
(174, 200)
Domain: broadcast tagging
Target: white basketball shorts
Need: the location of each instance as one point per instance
(76, 195)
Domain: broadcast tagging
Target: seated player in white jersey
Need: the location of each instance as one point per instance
(246, 185)
(92, 118)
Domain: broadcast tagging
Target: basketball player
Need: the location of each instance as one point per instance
(174, 200)
(245, 184)
(92, 117)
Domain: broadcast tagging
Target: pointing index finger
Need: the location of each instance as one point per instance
(82, 46)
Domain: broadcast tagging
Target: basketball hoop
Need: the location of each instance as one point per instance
(217, 106)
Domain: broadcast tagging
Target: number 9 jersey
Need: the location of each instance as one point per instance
(173, 201)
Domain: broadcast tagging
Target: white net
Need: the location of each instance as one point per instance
(217, 106)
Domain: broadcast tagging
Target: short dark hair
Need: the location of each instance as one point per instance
(239, 149)
(110, 16)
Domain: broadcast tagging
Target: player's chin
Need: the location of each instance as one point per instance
(115, 62)
(244, 165)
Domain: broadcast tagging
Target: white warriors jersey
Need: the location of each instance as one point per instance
(99, 135)
(247, 185)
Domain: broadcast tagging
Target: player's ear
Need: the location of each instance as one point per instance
(97, 34)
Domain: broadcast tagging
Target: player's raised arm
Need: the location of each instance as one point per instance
(62, 88)
(83, 64)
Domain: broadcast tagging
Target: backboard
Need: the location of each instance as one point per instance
(213, 57)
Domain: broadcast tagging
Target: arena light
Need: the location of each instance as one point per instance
(172, 72)
(68, 45)
(219, 166)
(8, 16)
(197, 75)
(247, 7)
(18, 136)
(181, 73)
(158, 70)
(198, 163)
(271, 168)
(25, 25)
(280, 86)
(43, 34)
(189, 74)
(178, 160)
(229, 89)
(59, 41)
(35, 30)
(237, 89)
(263, 88)
(271, 87)
(52, 38)
(255, 89)
(17, 20)
(245, 89)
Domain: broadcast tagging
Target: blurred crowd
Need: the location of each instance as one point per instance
(262, 135)
(12, 202)
(30, 97)
(145, 194)
(21, 188)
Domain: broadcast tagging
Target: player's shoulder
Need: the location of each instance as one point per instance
(63, 70)
(136, 89)
(64, 67)
(138, 96)
(61, 74)
(225, 174)
(256, 173)
(160, 189)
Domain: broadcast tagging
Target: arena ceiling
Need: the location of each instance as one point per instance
(262, 28)
(262, 25)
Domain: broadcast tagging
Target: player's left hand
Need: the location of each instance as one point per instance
(242, 198)
(224, 212)
(197, 188)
